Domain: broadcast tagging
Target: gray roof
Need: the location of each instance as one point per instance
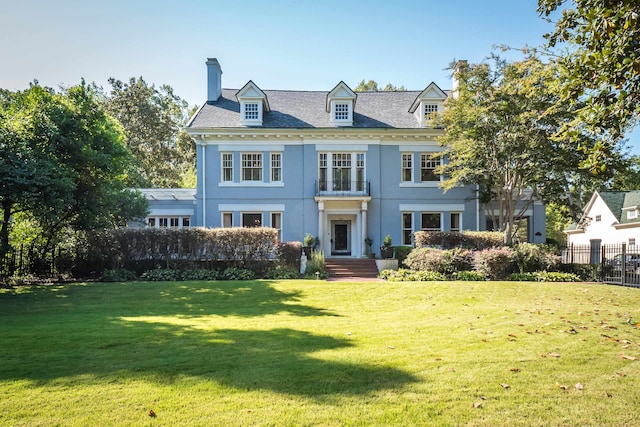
(307, 109)
(168, 193)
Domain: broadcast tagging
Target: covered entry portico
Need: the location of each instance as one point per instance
(342, 225)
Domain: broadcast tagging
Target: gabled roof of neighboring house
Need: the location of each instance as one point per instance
(307, 109)
(618, 203)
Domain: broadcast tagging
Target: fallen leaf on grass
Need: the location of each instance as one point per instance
(477, 404)
(390, 347)
(505, 386)
(514, 369)
(561, 386)
(556, 355)
(152, 414)
(579, 386)
(624, 356)
(621, 374)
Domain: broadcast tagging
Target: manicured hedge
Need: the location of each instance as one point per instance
(465, 239)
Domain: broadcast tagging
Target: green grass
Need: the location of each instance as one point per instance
(320, 353)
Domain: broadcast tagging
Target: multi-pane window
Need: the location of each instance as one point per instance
(407, 161)
(186, 221)
(341, 163)
(322, 171)
(276, 222)
(598, 218)
(163, 222)
(455, 221)
(151, 222)
(430, 111)
(252, 219)
(171, 221)
(341, 111)
(175, 222)
(428, 164)
(251, 111)
(360, 171)
(632, 241)
(407, 227)
(227, 167)
(227, 219)
(430, 221)
(632, 214)
(276, 167)
(252, 166)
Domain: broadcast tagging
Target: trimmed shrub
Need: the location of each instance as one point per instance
(442, 261)
(523, 277)
(495, 263)
(289, 253)
(530, 257)
(465, 239)
(402, 252)
(545, 276)
(404, 275)
(469, 276)
(316, 264)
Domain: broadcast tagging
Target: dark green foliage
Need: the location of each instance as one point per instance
(469, 276)
(403, 275)
(280, 271)
(402, 252)
(289, 253)
(442, 261)
(200, 274)
(495, 263)
(545, 276)
(465, 239)
(316, 264)
(161, 275)
(530, 257)
(233, 273)
(118, 275)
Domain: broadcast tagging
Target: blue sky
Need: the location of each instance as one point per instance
(279, 44)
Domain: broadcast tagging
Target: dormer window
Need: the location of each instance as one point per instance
(340, 104)
(253, 104)
(632, 214)
(251, 111)
(428, 105)
(341, 112)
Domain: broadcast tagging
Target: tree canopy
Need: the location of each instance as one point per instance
(500, 127)
(164, 155)
(372, 86)
(600, 67)
(63, 161)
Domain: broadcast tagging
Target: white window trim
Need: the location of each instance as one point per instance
(432, 212)
(242, 168)
(403, 182)
(242, 214)
(243, 112)
(459, 221)
(222, 166)
(403, 229)
(222, 215)
(632, 214)
(343, 122)
(423, 111)
(272, 168)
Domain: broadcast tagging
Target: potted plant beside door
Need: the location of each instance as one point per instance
(386, 250)
(308, 243)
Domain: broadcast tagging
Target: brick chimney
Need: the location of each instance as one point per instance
(214, 80)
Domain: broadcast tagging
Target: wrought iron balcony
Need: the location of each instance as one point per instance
(343, 188)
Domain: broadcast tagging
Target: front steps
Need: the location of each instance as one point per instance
(351, 268)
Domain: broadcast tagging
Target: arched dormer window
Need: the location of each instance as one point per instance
(428, 105)
(253, 104)
(341, 102)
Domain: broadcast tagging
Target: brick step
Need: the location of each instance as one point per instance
(351, 267)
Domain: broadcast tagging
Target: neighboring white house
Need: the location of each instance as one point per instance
(610, 217)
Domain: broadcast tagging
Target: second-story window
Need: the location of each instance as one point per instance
(276, 167)
(430, 112)
(227, 167)
(252, 166)
(342, 171)
(428, 164)
(407, 160)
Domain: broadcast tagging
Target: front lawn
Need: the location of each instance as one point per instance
(320, 353)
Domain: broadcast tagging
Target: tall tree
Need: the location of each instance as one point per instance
(372, 86)
(600, 66)
(152, 119)
(62, 160)
(499, 135)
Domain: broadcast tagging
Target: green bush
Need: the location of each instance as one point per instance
(466, 239)
(530, 257)
(494, 263)
(118, 275)
(289, 253)
(402, 252)
(443, 261)
(469, 276)
(233, 273)
(316, 264)
(200, 274)
(161, 275)
(545, 276)
(404, 275)
(523, 277)
(280, 271)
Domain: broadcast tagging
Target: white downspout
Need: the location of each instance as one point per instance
(204, 183)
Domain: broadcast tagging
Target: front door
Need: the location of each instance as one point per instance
(341, 238)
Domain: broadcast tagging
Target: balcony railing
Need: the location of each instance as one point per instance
(343, 188)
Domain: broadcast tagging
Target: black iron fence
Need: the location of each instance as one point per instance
(30, 260)
(613, 263)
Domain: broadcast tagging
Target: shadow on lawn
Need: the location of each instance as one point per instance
(122, 344)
